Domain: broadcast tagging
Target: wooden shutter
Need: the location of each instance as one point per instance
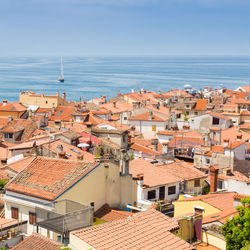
(14, 213)
(32, 218)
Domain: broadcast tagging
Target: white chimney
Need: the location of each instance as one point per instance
(226, 142)
(150, 115)
(5, 102)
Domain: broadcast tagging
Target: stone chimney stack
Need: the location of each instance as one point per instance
(140, 178)
(150, 115)
(213, 178)
(59, 149)
(154, 143)
(125, 163)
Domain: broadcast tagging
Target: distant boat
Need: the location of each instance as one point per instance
(61, 77)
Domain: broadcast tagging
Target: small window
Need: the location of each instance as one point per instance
(196, 113)
(187, 113)
(216, 121)
(92, 204)
(153, 127)
(207, 161)
(219, 184)
(171, 190)
(32, 218)
(151, 194)
(46, 102)
(6, 136)
(125, 118)
(14, 213)
(196, 183)
(124, 138)
(10, 135)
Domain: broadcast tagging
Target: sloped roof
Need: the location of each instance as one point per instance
(144, 149)
(201, 104)
(222, 201)
(144, 230)
(12, 107)
(19, 165)
(46, 178)
(145, 117)
(108, 214)
(38, 242)
(153, 175)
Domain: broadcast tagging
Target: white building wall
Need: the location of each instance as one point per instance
(145, 127)
(240, 187)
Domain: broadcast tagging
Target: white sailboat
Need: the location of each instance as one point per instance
(61, 77)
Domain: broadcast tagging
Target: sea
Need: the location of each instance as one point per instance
(92, 77)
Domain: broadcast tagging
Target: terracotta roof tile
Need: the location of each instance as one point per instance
(62, 113)
(222, 201)
(220, 216)
(231, 133)
(144, 149)
(38, 242)
(201, 104)
(145, 117)
(153, 175)
(46, 178)
(108, 214)
(219, 116)
(19, 165)
(12, 107)
(144, 230)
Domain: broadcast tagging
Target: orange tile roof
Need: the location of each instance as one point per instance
(162, 110)
(220, 216)
(222, 201)
(219, 116)
(245, 125)
(235, 175)
(235, 144)
(70, 150)
(108, 214)
(183, 170)
(3, 121)
(246, 88)
(38, 242)
(218, 149)
(145, 117)
(231, 133)
(146, 230)
(118, 107)
(62, 113)
(201, 104)
(8, 223)
(177, 92)
(47, 178)
(241, 196)
(153, 175)
(12, 107)
(185, 141)
(19, 165)
(144, 149)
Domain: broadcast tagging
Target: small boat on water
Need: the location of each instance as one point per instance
(61, 77)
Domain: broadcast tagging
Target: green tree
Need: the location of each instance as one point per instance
(237, 230)
(2, 184)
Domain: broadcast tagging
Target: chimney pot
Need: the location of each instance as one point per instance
(4, 102)
(62, 155)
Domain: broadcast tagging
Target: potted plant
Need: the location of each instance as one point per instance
(11, 233)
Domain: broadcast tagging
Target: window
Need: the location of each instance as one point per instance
(219, 184)
(162, 193)
(14, 213)
(207, 161)
(11, 135)
(6, 136)
(46, 102)
(187, 113)
(171, 190)
(151, 194)
(32, 218)
(216, 121)
(196, 183)
(187, 106)
(196, 113)
(153, 127)
(125, 118)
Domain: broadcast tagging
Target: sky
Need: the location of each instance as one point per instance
(125, 28)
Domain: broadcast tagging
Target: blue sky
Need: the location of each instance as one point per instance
(125, 27)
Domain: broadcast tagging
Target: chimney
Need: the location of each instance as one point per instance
(5, 102)
(59, 149)
(10, 118)
(154, 143)
(64, 96)
(164, 148)
(104, 98)
(132, 90)
(142, 91)
(140, 179)
(79, 157)
(125, 163)
(239, 137)
(213, 178)
(114, 104)
(150, 115)
(226, 142)
(62, 155)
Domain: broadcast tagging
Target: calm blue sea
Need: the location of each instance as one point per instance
(92, 77)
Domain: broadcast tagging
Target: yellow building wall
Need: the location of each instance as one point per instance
(213, 240)
(13, 114)
(103, 185)
(182, 207)
(42, 101)
(192, 189)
